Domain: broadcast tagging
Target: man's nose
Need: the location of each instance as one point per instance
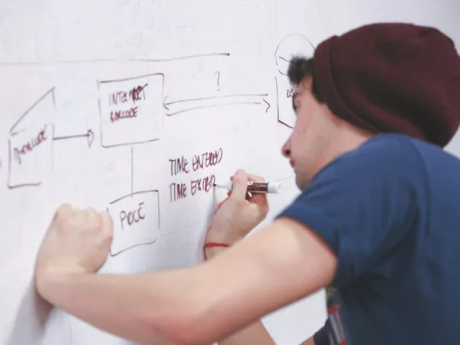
(286, 149)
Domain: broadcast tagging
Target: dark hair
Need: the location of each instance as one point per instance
(300, 68)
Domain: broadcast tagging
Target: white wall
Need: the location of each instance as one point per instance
(64, 51)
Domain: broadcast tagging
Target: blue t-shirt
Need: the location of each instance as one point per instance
(390, 210)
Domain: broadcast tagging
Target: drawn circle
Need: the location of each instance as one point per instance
(291, 46)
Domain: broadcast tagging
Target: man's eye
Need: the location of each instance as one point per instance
(294, 105)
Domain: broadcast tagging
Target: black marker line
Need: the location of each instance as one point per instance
(12, 130)
(269, 105)
(131, 143)
(184, 57)
(213, 106)
(41, 63)
(132, 194)
(89, 135)
(132, 247)
(131, 78)
(278, 105)
(72, 136)
(132, 170)
(217, 97)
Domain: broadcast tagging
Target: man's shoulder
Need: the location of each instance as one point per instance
(402, 151)
(380, 155)
(390, 146)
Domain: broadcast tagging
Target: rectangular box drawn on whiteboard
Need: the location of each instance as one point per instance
(30, 156)
(136, 220)
(285, 95)
(131, 110)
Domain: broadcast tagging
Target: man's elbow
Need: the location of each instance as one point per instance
(186, 330)
(192, 331)
(187, 325)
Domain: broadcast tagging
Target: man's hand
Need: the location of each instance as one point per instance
(77, 242)
(239, 213)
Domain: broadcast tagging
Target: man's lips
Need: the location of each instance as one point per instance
(291, 162)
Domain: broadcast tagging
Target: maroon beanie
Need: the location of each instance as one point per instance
(392, 77)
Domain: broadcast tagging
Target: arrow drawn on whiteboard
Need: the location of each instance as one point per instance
(267, 104)
(213, 106)
(216, 98)
(186, 105)
(89, 137)
(165, 104)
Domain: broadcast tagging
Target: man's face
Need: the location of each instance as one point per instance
(309, 145)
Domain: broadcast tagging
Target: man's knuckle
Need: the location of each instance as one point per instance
(65, 206)
(98, 220)
(63, 211)
(239, 203)
(239, 179)
(93, 226)
(109, 235)
(89, 211)
(76, 222)
(258, 178)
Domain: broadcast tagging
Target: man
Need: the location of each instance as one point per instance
(377, 218)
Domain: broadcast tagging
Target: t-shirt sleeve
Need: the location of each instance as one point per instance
(362, 204)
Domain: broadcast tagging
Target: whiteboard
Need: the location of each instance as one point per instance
(137, 107)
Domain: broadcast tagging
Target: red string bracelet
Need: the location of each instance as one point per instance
(212, 244)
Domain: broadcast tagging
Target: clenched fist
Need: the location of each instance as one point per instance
(77, 242)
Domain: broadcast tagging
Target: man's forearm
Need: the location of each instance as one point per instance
(199, 305)
(129, 306)
(255, 334)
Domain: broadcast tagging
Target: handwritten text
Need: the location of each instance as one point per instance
(30, 145)
(131, 217)
(182, 165)
(117, 98)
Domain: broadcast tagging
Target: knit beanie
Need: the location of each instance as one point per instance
(392, 77)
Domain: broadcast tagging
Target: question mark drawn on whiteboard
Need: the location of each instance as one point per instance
(218, 79)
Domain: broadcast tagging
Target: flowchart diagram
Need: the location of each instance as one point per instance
(31, 143)
(132, 112)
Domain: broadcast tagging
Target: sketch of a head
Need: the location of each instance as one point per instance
(292, 45)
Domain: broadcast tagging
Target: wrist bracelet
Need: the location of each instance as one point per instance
(212, 244)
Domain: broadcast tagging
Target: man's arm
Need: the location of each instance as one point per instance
(255, 334)
(280, 264)
(310, 341)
